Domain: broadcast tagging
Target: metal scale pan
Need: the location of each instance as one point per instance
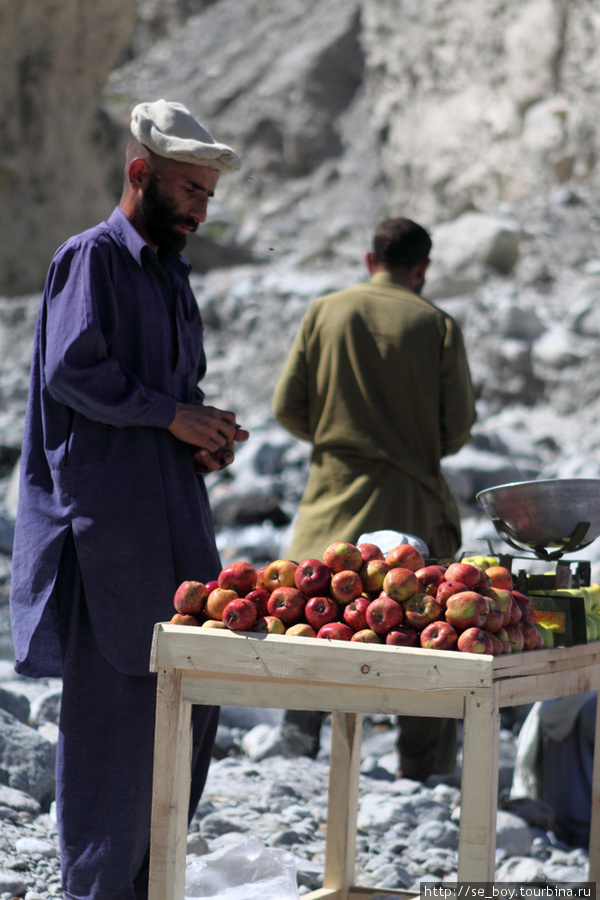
(550, 517)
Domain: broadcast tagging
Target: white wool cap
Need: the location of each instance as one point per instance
(170, 130)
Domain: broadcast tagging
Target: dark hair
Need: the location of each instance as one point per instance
(400, 242)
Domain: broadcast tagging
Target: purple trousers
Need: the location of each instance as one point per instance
(105, 759)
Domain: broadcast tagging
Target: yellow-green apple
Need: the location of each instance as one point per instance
(482, 562)
(384, 613)
(287, 603)
(466, 610)
(366, 636)
(372, 573)
(269, 625)
(495, 616)
(217, 600)
(400, 583)
(465, 573)
(370, 551)
(279, 573)
(342, 555)
(321, 610)
(404, 556)
(420, 610)
(354, 613)
(515, 636)
(547, 635)
(497, 645)
(475, 640)
(346, 586)
(240, 614)
(439, 636)
(214, 623)
(446, 589)
(503, 599)
(190, 598)
(503, 638)
(402, 636)
(335, 631)
(239, 577)
(430, 578)
(301, 629)
(313, 577)
(260, 598)
(500, 577)
(530, 636)
(183, 619)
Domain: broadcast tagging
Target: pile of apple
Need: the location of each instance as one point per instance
(356, 593)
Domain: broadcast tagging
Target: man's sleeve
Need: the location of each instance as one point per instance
(457, 402)
(290, 399)
(80, 315)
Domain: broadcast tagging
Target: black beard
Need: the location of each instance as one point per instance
(160, 218)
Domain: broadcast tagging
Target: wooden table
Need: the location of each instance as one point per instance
(211, 666)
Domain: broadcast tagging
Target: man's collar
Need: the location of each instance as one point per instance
(383, 276)
(135, 243)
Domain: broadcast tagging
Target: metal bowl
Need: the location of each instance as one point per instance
(561, 513)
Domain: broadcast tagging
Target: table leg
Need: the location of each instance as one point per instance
(479, 788)
(171, 789)
(342, 807)
(594, 849)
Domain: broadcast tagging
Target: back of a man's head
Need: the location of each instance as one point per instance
(400, 243)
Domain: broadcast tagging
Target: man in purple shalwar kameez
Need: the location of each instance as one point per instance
(113, 512)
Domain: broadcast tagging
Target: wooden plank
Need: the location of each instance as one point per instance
(594, 848)
(171, 789)
(280, 656)
(531, 662)
(342, 809)
(277, 693)
(479, 788)
(547, 686)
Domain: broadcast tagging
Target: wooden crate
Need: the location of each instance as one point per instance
(210, 666)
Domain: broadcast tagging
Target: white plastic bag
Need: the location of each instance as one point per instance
(245, 871)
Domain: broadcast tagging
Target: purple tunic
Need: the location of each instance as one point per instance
(118, 342)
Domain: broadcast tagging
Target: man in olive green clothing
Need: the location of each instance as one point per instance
(378, 381)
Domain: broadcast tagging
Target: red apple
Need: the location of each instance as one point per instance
(421, 610)
(515, 636)
(465, 573)
(240, 615)
(502, 636)
(346, 586)
(515, 612)
(301, 629)
(321, 610)
(239, 577)
(211, 585)
(313, 577)
(439, 636)
(430, 578)
(466, 610)
(354, 613)
(400, 583)
(370, 551)
(342, 555)
(335, 631)
(446, 589)
(366, 636)
(214, 623)
(403, 636)
(495, 616)
(260, 574)
(269, 625)
(190, 598)
(501, 577)
(483, 584)
(279, 573)
(287, 603)
(383, 614)
(372, 574)
(497, 645)
(475, 640)
(260, 598)
(183, 619)
(404, 556)
(527, 614)
(530, 636)
(216, 602)
(503, 599)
